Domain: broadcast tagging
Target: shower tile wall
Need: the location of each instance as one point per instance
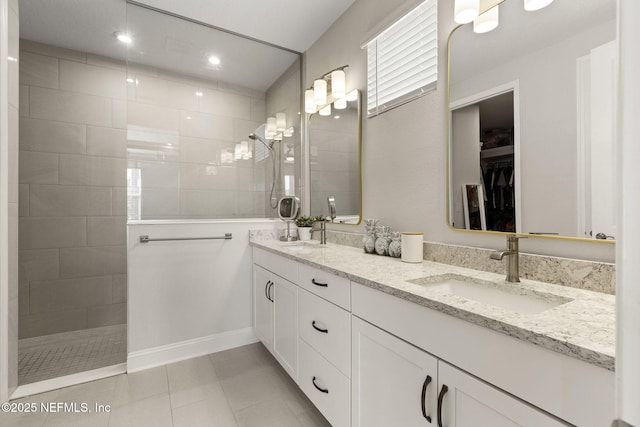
(72, 259)
(182, 136)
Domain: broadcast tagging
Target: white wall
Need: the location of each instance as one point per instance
(188, 298)
(9, 104)
(411, 141)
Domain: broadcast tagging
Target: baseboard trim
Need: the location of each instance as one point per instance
(68, 380)
(162, 355)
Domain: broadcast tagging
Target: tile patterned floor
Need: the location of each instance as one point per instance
(239, 387)
(51, 356)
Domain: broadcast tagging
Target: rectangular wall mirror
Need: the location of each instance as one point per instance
(334, 155)
(532, 119)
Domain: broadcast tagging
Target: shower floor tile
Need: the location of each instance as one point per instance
(51, 356)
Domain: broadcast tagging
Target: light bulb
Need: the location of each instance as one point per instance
(309, 102)
(271, 125)
(487, 21)
(123, 37)
(340, 104)
(338, 84)
(281, 122)
(531, 5)
(326, 111)
(320, 92)
(466, 11)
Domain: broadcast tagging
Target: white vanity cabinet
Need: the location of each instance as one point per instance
(395, 383)
(465, 401)
(276, 316)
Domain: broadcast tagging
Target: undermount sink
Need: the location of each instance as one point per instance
(503, 295)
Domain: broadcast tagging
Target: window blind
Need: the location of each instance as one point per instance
(402, 61)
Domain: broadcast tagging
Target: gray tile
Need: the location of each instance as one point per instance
(57, 52)
(23, 200)
(91, 170)
(69, 200)
(58, 295)
(137, 386)
(95, 419)
(213, 412)
(38, 168)
(193, 380)
(108, 142)
(92, 80)
(24, 101)
(267, 414)
(38, 70)
(70, 107)
(52, 232)
(22, 419)
(106, 230)
(154, 411)
(92, 261)
(52, 323)
(252, 387)
(106, 315)
(51, 136)
(38, 264)
(119, 284)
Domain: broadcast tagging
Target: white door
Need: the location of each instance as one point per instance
(393, 382)
(262, 305)
(285, 325)
(464, 401)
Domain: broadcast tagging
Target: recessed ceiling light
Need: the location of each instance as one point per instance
(188, 117)
(130, 80)
(214, 60)
(123, 37)
(199, 93)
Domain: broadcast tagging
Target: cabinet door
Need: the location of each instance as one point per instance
(393, 382)
(465, 401)
(285, 325)
(262, 305)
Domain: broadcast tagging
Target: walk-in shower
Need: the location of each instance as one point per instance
(111, 133)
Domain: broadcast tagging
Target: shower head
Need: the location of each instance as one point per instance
(262, 140)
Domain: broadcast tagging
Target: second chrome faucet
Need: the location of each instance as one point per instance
(513, 257)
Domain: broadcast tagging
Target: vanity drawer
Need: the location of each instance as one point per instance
(326, 328)
(326, 285)
(324, 385)
(277, 264)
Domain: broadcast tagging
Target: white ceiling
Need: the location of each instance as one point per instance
(177, 45)
(293, 24)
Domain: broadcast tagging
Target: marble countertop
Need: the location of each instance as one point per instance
(583, 327)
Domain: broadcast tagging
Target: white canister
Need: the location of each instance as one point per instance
(412, 243)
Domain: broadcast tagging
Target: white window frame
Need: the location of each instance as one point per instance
(390, 80)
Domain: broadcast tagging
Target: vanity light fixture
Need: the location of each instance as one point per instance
(487, 21)
(352, 96)
(288, 133)
(270, 130)
(331, 87)
(340, 104)
(465, 11)
(531, 5)
(320, 91)
(326, 111)
(123, 37)
(281, 122)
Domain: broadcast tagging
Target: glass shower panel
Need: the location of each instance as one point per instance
(194, 95)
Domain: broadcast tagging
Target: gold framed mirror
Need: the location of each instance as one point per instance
(335, 146)
(532, 120)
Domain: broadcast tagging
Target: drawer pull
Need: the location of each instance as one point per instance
(269, 297)
(323, 390)
(324, 331)
(443, 391)
(427, 381)
(324, 285)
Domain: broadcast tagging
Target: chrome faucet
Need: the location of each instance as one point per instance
(323, 232)
(513, 260)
